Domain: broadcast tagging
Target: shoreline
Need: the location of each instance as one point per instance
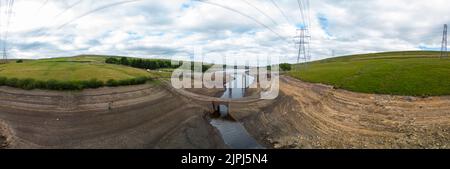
(305, 115)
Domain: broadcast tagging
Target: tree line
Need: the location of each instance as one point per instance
(285, 67)
(151, 64)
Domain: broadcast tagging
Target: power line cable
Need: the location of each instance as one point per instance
(47, 32)
(42, 28)
(68, 8)
(94, 11)
(282, 12)
(308, 7)
(262, 12)
(245, 15)
(300, 6)
(42, 6)
(309, 28)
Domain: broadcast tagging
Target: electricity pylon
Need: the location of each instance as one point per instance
(444, 52)
(302, 40)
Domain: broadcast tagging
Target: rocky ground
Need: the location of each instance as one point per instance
(318, 116)
(305, 115)
(146, 116)
(5, 135)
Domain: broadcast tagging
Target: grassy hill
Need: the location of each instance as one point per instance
(69, 69)
(72, 73)
(415, 73)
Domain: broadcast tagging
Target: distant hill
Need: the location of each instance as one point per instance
(412, 73)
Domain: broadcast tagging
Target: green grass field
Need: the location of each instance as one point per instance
(398, 73)
(69, 69)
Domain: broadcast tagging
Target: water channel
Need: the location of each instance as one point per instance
(234, 133)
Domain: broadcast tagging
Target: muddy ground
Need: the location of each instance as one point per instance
(317, 116)
(5, 135)
(154, 116)
(146, 116)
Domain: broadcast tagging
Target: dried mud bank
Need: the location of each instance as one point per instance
(149, 116)
(5, 135)
(145, 116)
(317, 116)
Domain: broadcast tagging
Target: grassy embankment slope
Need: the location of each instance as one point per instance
(414, 73)
(69, 69)
(72, 73)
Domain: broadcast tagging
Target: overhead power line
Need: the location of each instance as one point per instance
(262, 12)
(302, 14)
(309, 13)
(47, 32)
(42, 6)
(96, 10)
(245, 15)
(68, 8)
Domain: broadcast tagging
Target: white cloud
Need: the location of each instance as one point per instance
(153, 28)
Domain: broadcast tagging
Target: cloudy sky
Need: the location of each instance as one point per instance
(239, 28)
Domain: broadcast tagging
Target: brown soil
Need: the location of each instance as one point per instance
(5, 135)
(3, 141)
(145, 116)
(208, 92)
(317, 116)
(149, 116)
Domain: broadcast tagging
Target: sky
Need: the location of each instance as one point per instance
(232, 28)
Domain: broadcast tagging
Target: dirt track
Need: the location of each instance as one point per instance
(145, 116)
(318, 116)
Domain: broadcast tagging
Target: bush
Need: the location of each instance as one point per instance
(124, 61)
(125, 82)
(112, 83)
(112, 60)
(141, 80)
(26, 84)
(2, 81)
(12, 82)
(285, 67)
(40, 84)
(206, 68)
(69, 85)
(19, 61)
(52, 85)
(92, 84)
(135, 81)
